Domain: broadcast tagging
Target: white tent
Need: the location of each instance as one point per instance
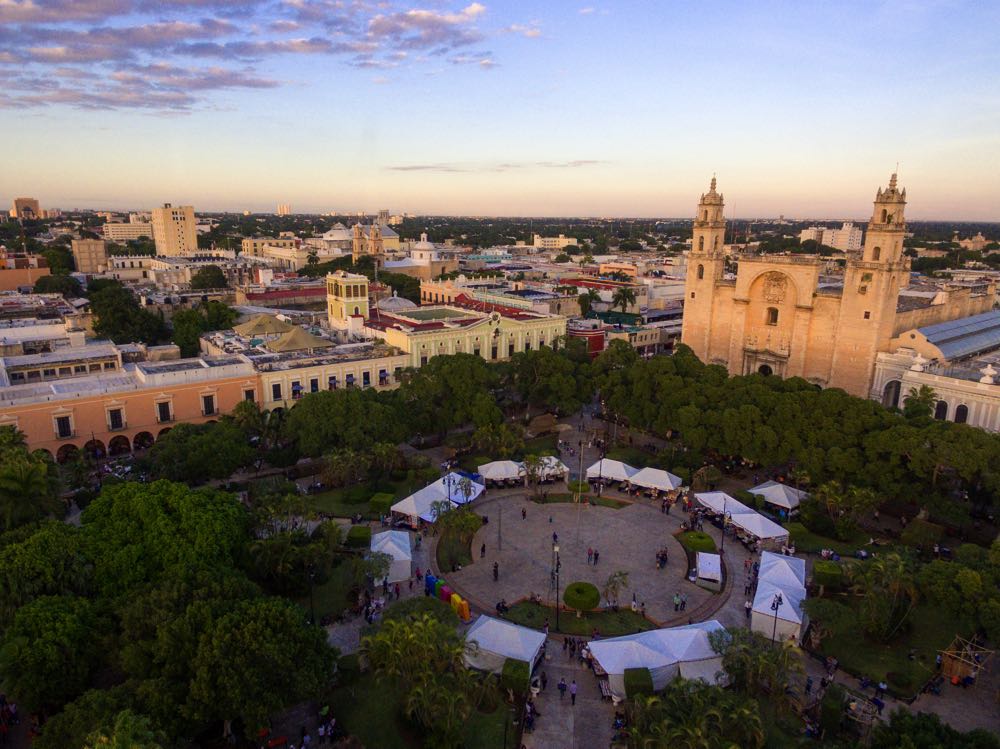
(656, 478)
(665, 652)
(497, 640)
(720, 502)
(501, 470)
(790, 621)
(779, 495)
(614, 470)
(451, 487)
(757, 525)
(397, 545)
(783, 570)
(419, 505)
(709, 566)
(552, 467)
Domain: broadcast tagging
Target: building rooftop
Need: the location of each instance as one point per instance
(967, 336)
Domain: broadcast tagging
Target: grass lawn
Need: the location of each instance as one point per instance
(632, 455)
(931, 629)
(614, 504)
(697, 541)
(333, 596)
(372, 712)
(806, 540)
(608, 623)
(334, 502)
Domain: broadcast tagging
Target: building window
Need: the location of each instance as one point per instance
(163, 411)
(423, 360)
(941, 411)
(80, 369)
(332, 382)
(527, 345)
(314, 385)
(692, 295)
(276, 391)
(366, 379)
(350, 380)
(510, 350)
(115, 419)
(207, 405)
(876, 253)
(110, 365)
(701, 272)
(772, 316)
(701, 243)
(64, 427)
(476, 351)
(296, 390)
(961, 414)
(48, 373)
(868, 315)
(383, 377)
(248, 395)
(494, 353)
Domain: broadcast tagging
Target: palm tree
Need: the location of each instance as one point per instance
(919, 402)
(587, 300)
(623, 297)
(614, 584)
(28, 490)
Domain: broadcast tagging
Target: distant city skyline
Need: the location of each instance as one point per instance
(558, 109)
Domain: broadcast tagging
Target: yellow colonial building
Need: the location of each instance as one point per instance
(779, 315)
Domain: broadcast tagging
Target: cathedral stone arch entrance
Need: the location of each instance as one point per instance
(765, 369)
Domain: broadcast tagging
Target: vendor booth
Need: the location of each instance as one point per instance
(781, 497)
(777, 605)
(708, 570)
(667, 653)
(769, 533)
(611, 470)
(397, 545)
(720, 502)
(655, 478)
(502, 470)
(553, 468)
(496, 640)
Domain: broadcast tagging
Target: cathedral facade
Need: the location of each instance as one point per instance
(778, 317)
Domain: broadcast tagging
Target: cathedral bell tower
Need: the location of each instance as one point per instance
(706, 264)
(872, 281)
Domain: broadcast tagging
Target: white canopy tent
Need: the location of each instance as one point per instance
(454, 486)
(397, 545)
(420, 505)
(780, 495)
(497, 640)
(656, 478)
(709, 566)
(757, 525)
(665, 652)
(784, 576)
(720, 502)
(783, 570)
(501, 470)
(552, 467)
(613, 470)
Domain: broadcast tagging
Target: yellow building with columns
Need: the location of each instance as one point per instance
(777, 316)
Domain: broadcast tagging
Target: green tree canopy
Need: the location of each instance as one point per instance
(209, 277)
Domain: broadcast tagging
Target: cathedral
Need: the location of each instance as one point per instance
(778, 316)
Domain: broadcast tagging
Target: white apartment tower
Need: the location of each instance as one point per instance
(174, 230)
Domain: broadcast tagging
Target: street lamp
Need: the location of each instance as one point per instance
(555, 549)
(312, 606)
(776, 603)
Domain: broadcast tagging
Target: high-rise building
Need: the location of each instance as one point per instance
(174, 230)
(90, 255)
(25, 208)
(846, 239)
(284, 209)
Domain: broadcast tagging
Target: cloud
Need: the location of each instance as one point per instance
(170, 54)
(503, 166)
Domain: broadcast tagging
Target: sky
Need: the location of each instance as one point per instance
(502, 108)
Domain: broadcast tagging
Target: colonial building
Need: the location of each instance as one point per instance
(779, 315)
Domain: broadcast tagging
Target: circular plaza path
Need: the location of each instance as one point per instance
(626, 539)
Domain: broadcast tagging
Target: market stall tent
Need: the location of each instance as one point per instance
(656, 478)
(757, 525)
(782, 569)
(780, 495)
(501, 470)
(720, 502)
(397, 545)
(497, 640)
(785, 576)
(667, 653)
(552, 467)
(709, 570)
(457, 488)
(613, 470)
(420, 506)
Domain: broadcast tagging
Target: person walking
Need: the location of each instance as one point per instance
(809, 684)
(684, 601)
(482, 551)
(749, 608)
(562, 688)
(496, 572)
(524, 514)
(596, 555)
(396, 591)
(590, 554)
(545, 680)
(572, 693)
(677, 602)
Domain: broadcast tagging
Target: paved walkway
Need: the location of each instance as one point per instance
(560, 723)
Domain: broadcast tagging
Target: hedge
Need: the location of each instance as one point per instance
(359, 537)
(638, 681)
(828, 574)
(582, 596)
(514, 675)
(381, 503)
(413, 608)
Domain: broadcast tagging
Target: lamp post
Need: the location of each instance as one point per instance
(555, 550)
(312, 607)
(776, 603)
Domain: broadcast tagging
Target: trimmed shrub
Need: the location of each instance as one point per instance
(828, 574)
(414, 608)
(638, 681)
(921, 534)
(582, 596)
(359, 537)
(514, 675)
(697, 541)
(579, 486)
(381, 503)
